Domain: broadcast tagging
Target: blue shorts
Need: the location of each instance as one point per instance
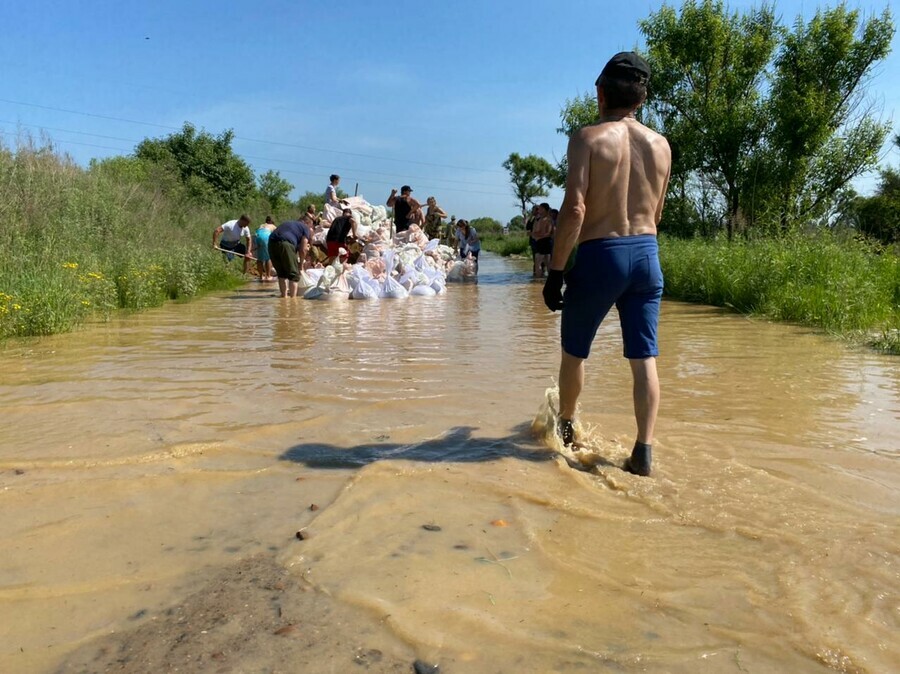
(623, 271)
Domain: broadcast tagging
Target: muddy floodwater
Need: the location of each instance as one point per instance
(169, 458)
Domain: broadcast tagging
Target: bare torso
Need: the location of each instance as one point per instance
(629, 172)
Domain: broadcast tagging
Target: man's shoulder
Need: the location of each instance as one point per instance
(230, 223)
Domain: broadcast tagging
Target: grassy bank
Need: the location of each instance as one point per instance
(843, 286)
(81, 243)
(505, 245)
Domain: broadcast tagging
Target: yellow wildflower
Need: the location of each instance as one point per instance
(70, 265)
(17, 306)
(86, 303)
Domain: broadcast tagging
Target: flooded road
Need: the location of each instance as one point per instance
(141, 457)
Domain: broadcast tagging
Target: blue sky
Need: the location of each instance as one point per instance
(431, 94)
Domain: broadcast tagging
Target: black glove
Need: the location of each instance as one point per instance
(553, 289)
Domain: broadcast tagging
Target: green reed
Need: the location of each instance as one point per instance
(81, 243)
(844, 286)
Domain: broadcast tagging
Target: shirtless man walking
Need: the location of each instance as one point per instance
(618, 174)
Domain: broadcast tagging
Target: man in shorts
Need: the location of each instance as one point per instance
(231, 233)
(618, 174)
(288, 245)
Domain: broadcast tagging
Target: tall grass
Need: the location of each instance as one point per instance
(844, 286)
(80, 243)
(505, 245)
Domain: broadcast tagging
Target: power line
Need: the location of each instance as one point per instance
(251, 140)
(328, 167)
(303, 173)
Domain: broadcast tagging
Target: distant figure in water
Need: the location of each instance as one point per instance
(469, 243)
(618, 174)
(261, 248)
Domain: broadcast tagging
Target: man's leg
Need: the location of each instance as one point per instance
(571, 381)
(293, 287)
(282, 286)
(646, 405)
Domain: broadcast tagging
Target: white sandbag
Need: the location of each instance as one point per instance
(423, 291)
(432, 245)
(393, 290)
(358, 203)
(455, 273)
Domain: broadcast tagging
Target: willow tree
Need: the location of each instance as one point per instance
(709, 66)
(824, 133)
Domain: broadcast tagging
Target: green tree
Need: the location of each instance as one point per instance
(208, 166)
(274, 189)
(708, 68)
(531, 178)
(823, 136)
(878, 216)
(517, 224)
(487, 225)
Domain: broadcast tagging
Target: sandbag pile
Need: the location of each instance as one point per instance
(389, 267)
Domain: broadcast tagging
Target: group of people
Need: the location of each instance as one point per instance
(281, 252)
(602, 247)
(407, 211)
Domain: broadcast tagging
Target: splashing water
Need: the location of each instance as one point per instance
(589, 449)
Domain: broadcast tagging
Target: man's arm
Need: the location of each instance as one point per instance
(392, 199)
(662, 198)
(571, 213)
(353, 227)
(216, 232)
(303, 251)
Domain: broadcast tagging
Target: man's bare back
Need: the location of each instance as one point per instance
(629, 172)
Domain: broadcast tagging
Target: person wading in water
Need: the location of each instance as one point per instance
(618, 174)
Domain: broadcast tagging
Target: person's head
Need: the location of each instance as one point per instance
(269, 220)
(554, 213)
(405, 191)
(544, 209)
(534, 209)
(431, 201)
(244, 220)
(622, 84)
(347, 212)
(335, 179)
(311, 210)
(452, 219)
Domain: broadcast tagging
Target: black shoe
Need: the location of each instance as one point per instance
(639, 461)
(566, 432)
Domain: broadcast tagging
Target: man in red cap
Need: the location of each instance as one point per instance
(618, 175)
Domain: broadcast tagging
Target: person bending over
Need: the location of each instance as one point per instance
(231, 233)
(340, 230)
(288, 246)
(618, 174)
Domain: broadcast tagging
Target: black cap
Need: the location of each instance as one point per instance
(405, 189)
(626, 65)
